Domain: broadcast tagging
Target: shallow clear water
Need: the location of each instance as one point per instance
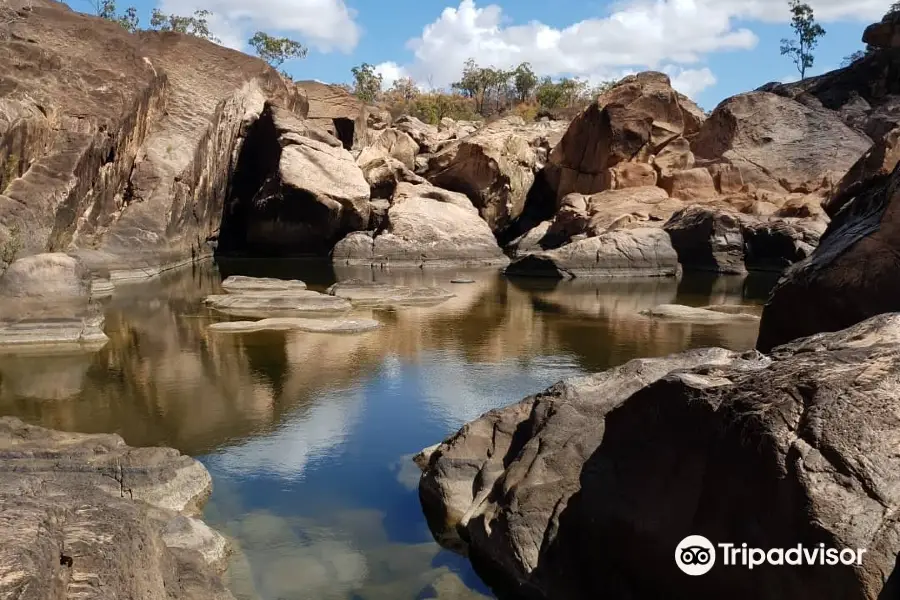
(309, 436)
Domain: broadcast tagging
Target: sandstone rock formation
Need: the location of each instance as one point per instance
(375, 294)
(884, 34)
(643, 252)
(55, 276)
(424, 225)
(779, 144)
(850, 277)
(559, 496)
(392, 143)
(296, 190)
(338, 112)
(126, 158)
(88, 516)
(297, 324)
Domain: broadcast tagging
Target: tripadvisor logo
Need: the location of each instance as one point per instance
(696, 555)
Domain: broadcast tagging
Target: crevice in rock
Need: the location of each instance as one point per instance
(344, 130)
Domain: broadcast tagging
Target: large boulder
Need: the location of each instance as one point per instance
(632, 122)
(124, 151)
(586, 489)
(54, 276)
(643, 252)
(885, 34)
(779, 144)
(393, 143)
(424, 226)
(296, 190)
(720, 240)
(339, 112)
(880, 160)
(88, 516)
(494, 167)
(850, 277)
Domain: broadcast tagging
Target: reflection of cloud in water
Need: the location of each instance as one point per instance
(408, 473)
(308, 436)
(458, 392)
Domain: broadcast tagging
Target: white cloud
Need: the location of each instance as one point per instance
(390, 72)
(668, 35)
(325, 25)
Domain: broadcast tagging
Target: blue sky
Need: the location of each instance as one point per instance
(712, 49)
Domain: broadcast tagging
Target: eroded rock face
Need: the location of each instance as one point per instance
(128, 156)
(645, 252)
(779, 144)
(632, 122)
(558, 496)
(88, 515)
(54, 276)
(392, 143)
(850, 277)
(337, 111)
(424, 226)
(885, 34)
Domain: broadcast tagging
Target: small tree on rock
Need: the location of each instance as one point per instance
(275, 50)
(806, 33)
(196, 25)
(367, 82)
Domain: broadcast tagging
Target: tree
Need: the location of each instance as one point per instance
(894, 9)
(368, 82)
(275, 50)
(524, 81)
(196, 25)
(852, 58)
(807, 33)
(549, 95)
(404, 89)
(107, 10)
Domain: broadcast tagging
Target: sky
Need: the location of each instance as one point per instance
(711, 49)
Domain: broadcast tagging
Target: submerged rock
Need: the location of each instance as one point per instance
(238, 284)
(586, 489)
(297, 324)
(262, 305)
(88, 513)
(678, 312)
(370, 293)
(623, 253)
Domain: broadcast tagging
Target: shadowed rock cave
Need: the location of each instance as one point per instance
(344, 130)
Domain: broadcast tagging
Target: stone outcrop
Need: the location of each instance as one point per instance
(375, 294)
(880, 160)
(779, 144)
(494, 167)
(645, 252)
(884, 34)
(424, 225)
(297, 324)
(392, 143)
(850, 277)
(47, 277)
(337, 111)
(559, 496)
(88, 516)
(724, 241)
(127, 158)
(296, 190)
(631, 123)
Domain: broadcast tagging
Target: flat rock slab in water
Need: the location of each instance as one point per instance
(677, 312)
(262, 305)
(104, 499)
(369, 293)
(298, 324)
(238, 284)
(462, 281)
(53, 335)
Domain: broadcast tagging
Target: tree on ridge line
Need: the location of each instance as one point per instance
(806, 33)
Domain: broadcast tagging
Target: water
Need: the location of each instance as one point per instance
(309, 436)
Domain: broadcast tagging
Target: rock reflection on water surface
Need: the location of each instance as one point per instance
(308, 435)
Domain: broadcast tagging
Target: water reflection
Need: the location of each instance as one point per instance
(308, 436)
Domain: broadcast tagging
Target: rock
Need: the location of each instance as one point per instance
(54, 276)
(127, 149)
(558, 496)
(634, 207)
(631, 174)
(690, 185)
(53, 335)
(879, 161)
(624, 253)
(337, 111)
(494, 167)
(378, 119)
(885, 34)
(293, 194)
(116, 512)
(779, 144)
(370, 293)
(102, 288)
(723, 241)
(393, 143)
(426, 136)
(634, 120)
(692, 314)
(850, 277)
(462, 280)
(297, 324)
(263, 305)
(238, 284)
(423, 229)
(384, 173)
(675, 156)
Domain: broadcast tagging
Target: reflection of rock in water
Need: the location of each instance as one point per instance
(43, 378)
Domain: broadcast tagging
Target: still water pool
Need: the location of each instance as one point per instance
(309, 436)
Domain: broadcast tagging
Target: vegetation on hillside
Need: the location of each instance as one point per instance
(480, 92)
